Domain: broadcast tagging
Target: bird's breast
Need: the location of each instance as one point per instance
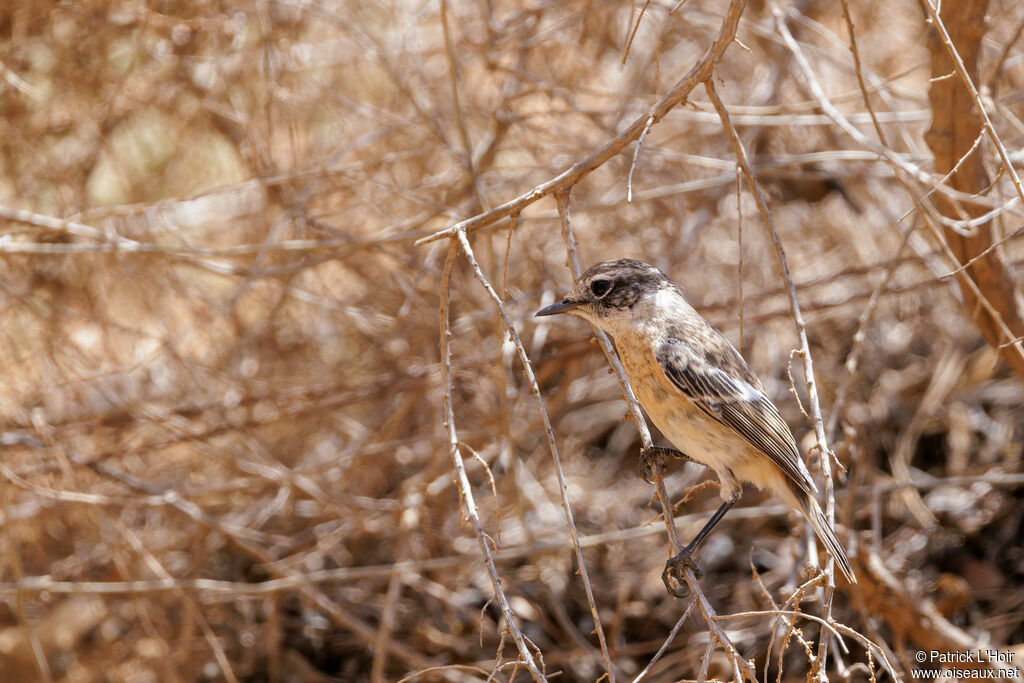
(689, 428)
(639, 360)
(662, 401)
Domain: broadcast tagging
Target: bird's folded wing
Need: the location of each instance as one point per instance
(736, 404)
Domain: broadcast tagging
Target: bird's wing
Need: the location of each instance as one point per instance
(736, 404)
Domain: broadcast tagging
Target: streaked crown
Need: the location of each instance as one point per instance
(609, 288)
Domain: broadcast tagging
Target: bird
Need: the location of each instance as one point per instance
(696, 387)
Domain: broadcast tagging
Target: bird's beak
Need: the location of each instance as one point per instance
(563, 306)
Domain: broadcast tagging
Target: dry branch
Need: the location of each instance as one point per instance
(824, 452)
(465, 490)
(225, 449)
(958, 118)
(564, 181)
(552, 447)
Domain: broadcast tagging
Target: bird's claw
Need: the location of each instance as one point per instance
(674, 575)
(652, 464)
(652, 461)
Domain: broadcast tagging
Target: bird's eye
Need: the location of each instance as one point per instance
(600, 287)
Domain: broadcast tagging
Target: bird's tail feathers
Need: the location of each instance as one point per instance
(812, 511)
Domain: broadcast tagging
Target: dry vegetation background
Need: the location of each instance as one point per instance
(225, 452)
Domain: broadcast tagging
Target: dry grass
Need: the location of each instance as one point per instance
(227, 447)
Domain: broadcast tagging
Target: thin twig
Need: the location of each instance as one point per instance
(859, 72)
(982, 254)
(980, 108)
(739, 248)
(466, 490)
(853, 355)
(805, 349)
(562, 485)
(705, 661)
(664, 646)
(620, 374)
(632, 33)
(460, 117)
(636, 155)
(572, 175)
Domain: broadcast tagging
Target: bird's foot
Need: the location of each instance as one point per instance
(652, 461)
(674, 575)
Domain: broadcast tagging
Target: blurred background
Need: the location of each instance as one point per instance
(224, 451)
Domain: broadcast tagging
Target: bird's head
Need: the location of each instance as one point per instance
(607, 293)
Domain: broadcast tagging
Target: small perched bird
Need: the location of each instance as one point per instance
(698, 390)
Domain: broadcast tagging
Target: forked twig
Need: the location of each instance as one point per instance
(549, 431)
(805, 351)
(898, 165)
(572, 175)
(961, 70)
(465, 488)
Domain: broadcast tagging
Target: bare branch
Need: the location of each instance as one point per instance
(572, 175)
(562, 485)
(805, 352)
(465, 489)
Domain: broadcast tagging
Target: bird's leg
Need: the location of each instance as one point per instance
(673, 576)
(652, 461)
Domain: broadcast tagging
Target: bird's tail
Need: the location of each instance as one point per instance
(812, 511)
